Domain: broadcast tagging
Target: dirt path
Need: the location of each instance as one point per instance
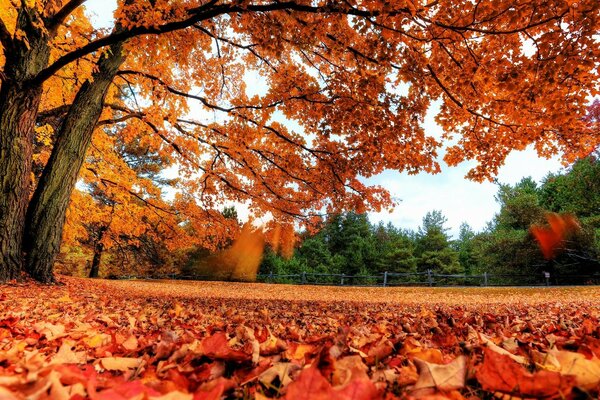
(392, 295)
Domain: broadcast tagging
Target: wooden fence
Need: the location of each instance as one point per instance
(391, 279)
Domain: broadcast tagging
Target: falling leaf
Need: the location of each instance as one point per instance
(560, 226)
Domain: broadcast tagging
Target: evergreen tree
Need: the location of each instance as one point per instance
(433, 246)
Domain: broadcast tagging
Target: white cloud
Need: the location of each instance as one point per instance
(459, 199)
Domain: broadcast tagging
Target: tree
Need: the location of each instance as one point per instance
(519, 205)
(433, 249)
(575, 191)
(353, 122)
(465, 248)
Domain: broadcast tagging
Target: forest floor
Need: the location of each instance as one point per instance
(104, 339)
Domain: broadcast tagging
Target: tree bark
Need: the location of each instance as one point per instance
(17, 119)
(19, 103)
(48, 206)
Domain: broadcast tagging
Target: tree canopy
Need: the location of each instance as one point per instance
(344, 88)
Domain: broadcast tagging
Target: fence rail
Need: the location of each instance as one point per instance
(392, 279)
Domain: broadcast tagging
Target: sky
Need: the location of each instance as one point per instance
(459, 199)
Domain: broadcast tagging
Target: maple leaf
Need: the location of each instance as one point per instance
(310, 384)
(122, 364)
(280, 371)
(499, 373)
(217, 347)
(66, 355)
(550, 238)
(445, 377)
(586, 371)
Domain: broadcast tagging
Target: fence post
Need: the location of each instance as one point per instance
(342, 280)
(485, 278)
(303, 277)
(547, 276)
(385, 279)
(429, 278)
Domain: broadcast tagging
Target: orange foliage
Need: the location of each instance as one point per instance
(551, 238)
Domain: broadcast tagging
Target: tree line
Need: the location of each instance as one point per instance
(349, 244)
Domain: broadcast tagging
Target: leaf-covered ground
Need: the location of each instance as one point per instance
(202, 340)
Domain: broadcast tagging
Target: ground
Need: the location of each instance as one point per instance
(210, 340)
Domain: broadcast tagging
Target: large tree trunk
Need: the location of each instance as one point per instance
(19, 103)
(17, 118)
(48, 206)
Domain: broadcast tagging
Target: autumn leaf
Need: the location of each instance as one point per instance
(122, 364)
(280, 371)
(550, 238)
(66, 355)
(499, 373)
(217, 347)
(444, 377)
(586, 371)
(310, 385)
(49, 330)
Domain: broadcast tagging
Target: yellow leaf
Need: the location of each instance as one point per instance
(97, 340)
(66, 355)
(586, 371)
(123, 364)
(131, 343)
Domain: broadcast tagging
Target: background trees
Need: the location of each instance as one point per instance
(505, 247)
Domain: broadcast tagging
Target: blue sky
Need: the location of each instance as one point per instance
(460, 200)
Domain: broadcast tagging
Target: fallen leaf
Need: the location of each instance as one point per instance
(66, 355)
(217, 347)
(120, 363)
(310, 385)
(586, 371)
(500, 373)
(443, 377)
(282, 371)
(51, 331)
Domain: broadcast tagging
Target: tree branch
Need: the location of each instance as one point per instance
(131, 192)
(497, 32)
(5, 37)
(60, 17)
(202, 13)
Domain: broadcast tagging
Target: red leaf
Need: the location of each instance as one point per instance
(310, 385)
(214, 390)
(217, 347)
(550, 238)
(499, 373)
